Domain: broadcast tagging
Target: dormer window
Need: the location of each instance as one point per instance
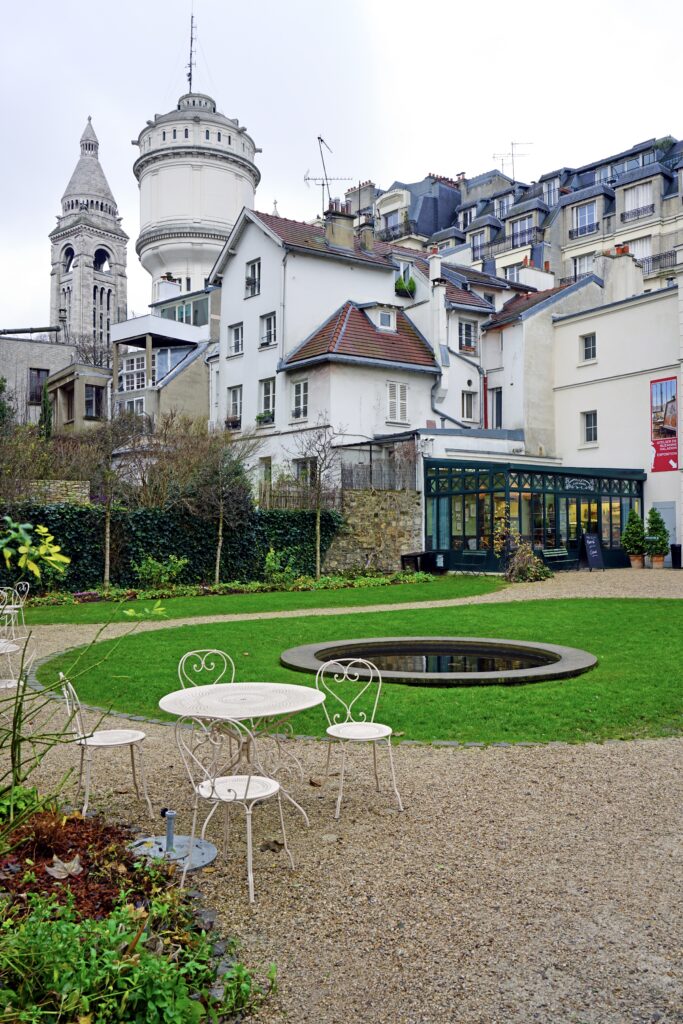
(387, 320)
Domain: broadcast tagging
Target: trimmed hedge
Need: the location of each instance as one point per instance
(79, 529)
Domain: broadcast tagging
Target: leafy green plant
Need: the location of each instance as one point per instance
(278, 569)
(657, 535)
(405, 288)
(30, 548)
(17, 801)
(633, 537)
(149, 966)
(152, 572)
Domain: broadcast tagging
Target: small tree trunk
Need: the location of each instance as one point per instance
(219, 548)
(317, 541)
(107, 545)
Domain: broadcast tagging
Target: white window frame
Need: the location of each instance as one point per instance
(300, 399)
(397, 402)
(496, 415)
(589, 427)
(235, 402)
(467, 404)
(132, 373)
(478, 243)
(502, 206)
(467, 335)
(391, 325)
(236, 339)
(585, 218)
(583, 264)
(588, 351)
(522, 230)
(512, 271)
(267, 396)
(268, 330)
(638, 196)
(253, 274)
(466, 217)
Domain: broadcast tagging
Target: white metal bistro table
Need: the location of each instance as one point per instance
(8, 647)
(267, 706)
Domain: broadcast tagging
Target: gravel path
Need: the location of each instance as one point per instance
(522, 884)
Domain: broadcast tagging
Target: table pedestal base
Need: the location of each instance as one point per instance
(155, 847)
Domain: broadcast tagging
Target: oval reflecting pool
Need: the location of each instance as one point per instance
(449, 661)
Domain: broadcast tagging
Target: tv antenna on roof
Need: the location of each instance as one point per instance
(324, 182)
(192, 62)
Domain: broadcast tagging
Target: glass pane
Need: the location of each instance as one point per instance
(605, 523)
(571, 520)
(537, 519)
(562, 535)
(525, 516)
(485, 529)
(444, 540)
(550, 521)
(470, 519)
(514, 511)
(429, 523)
(499, 481)
(456, 522)
(470, 482)
(616, 522)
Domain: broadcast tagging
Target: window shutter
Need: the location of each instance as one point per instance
(391, 399)
(403, 402)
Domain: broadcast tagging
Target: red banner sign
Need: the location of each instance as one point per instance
(664, 424)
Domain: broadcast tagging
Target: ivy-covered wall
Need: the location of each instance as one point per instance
(79, 529)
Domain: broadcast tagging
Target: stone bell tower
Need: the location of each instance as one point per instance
(88, 290)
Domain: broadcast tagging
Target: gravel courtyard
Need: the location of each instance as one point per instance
(521, 884)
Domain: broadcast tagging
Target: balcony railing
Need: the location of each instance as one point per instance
(233, 423)
(574, 277)
(267, 339)
(406, 227)
(641, 211)
(583, 229)
(530, 236)
(651, 264)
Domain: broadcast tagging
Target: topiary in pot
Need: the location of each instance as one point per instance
(633, 539)
(657, 539)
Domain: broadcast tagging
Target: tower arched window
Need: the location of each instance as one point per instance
(68, 259)
(163, 136)
(175, 134)
(187, 133)
(101, 261)
(108, 300)
(207, 135)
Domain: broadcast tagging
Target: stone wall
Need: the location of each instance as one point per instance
(380, 526)
(57, 492)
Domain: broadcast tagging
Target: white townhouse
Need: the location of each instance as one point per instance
(323, 324)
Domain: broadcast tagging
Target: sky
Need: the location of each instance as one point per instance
(397, 89)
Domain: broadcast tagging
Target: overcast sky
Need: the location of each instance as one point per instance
(398, 89)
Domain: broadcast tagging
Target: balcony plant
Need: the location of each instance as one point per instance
(657, 538)
(263, 418)
(405, 288)
(633, 540)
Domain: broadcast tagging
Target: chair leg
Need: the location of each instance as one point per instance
(341, 780)
(226, 829)
(284, 834)
(374, 764)
(80, 772)
(142, 777)
(393, 775)
(132, 764)
(87, 782)
(250, 867)
(327, 763)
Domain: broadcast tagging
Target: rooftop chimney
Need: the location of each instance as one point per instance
(434, 264)
(366, 237)
(339, 225)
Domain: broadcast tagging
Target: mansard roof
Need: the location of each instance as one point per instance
(350, 335)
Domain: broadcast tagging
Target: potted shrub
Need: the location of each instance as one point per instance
(633, 540)
(657, 539)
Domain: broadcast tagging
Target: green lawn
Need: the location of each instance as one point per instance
(635, 690)
(439, 589)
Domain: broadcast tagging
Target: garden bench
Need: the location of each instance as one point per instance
(467, 561)
(559, 558)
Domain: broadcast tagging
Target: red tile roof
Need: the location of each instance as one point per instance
(513, 308)
(299, 235)
(350, 333)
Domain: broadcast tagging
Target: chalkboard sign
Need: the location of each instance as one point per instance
(591, 551)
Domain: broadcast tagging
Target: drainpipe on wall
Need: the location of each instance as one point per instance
(485, 389)
(482, 385)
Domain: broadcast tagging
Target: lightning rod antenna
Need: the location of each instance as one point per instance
(326, 180)
(192, 62)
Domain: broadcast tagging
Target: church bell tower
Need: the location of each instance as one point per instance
(88, 281)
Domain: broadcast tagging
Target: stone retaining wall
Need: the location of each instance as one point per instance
(57, 492)
(379, 527)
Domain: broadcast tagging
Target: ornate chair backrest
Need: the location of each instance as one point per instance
(352, 687)
(6, 598)
(204, 668)
(212, 750)
(73, 706)
(21, 590)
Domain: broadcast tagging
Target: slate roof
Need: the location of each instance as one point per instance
(515, 307)
(350, 334)
(296, 234)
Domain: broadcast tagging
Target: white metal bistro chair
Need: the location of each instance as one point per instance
(355, 685)
(224, 774)
(21, 590)
(102, 739)
(9, 612)
(19, 656)
(205, 668)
